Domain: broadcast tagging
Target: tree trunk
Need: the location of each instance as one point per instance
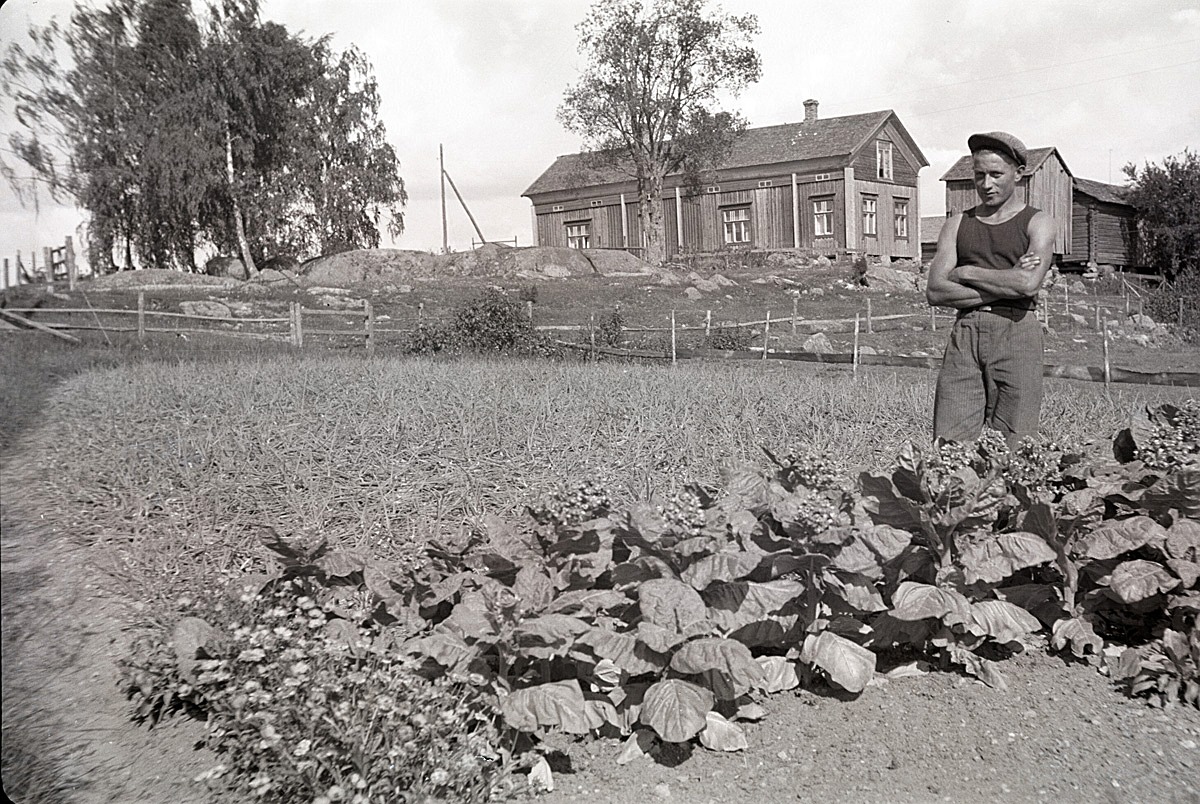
(650, 215)
(238, 223)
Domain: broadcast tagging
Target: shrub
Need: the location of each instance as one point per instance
(734, 339)
(491, 322)
(1162, 304)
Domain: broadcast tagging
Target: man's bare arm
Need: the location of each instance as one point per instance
(1023, 280)
(942, 290)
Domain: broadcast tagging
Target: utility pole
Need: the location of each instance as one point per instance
(442, 173)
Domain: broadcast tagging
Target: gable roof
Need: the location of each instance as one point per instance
(962, 168)
(789, 142)
(1109, 193)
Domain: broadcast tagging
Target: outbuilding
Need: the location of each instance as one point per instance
(1104, 226)
(839, 185)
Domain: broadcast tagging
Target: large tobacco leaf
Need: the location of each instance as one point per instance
(720, 567)
(676, 709)
(848, 664)
(727, 657)
(1121, 536)
(992, 557)
(559, 703)
(919, 601)
(671, 604)
(1136, 580)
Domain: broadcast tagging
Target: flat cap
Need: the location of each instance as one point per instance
(1001, 142)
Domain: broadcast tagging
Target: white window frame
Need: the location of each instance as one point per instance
(883, 160)
(735, 222)
(579, 234)
(870, 215)
(900, 217)
(822, 217)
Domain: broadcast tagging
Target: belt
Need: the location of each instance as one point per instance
(1011, 311)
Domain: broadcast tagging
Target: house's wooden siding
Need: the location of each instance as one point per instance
(771, 215)
(1103, 233)
(904, 161)
(885, 243)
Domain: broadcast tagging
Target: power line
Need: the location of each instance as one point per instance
(1065, 86)
(1025, 71)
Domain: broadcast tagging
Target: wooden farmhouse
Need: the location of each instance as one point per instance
(1094, 224)
(827, 186)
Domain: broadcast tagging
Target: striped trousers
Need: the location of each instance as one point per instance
(991, 375)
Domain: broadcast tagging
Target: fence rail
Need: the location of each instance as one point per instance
(362, 323)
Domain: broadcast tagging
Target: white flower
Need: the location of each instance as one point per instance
(302, 747)
(252, 655)
(439, 777)
(335, 793)
(300, 668)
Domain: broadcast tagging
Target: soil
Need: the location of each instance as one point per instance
(1060, 732)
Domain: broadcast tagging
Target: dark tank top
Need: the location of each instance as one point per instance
(998, 245)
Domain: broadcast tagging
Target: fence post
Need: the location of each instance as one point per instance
(5, 283)
(673, 357)
(708, 320)
(369, 324)
(32, 264)
(529, 309)
(1180, 309)
(1097, 313)
(766, 334)
(300, 324)
(49, 264)
(141, 315)
(592, 334)
(854, 352)
(795, 312)
(70, 258)
(870, 326)
(420, 314)
(933, 319)
(1107, 369)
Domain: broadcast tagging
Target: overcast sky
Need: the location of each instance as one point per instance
(1107, 82)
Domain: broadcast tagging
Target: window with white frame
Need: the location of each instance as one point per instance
(901, 216)
(883, 160)
(822, 217)
(579, 234)
(869, 217)
(737, 224)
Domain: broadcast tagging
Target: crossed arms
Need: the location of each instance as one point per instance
(961, 286)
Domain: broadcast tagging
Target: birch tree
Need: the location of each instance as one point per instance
(649, 99)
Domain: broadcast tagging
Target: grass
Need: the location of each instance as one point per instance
(178, 466)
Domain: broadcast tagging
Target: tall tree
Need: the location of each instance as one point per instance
(1167, 199)
(177, 134)
(648, 100)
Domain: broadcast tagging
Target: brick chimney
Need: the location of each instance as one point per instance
(810, 111)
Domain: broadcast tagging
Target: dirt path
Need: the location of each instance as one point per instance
(1058, 734)
(66, 727)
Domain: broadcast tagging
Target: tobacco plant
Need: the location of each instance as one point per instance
(668, 620)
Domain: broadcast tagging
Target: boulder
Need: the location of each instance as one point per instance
(867, 350)
(817, 344)
(556, 271)
(884, 278)
(230, 267)
(1143, 321)
(1078, 319)
(209, 309)
(693, 293)
(822, 262)
(706, 286)
(723, 281)
(816, 291)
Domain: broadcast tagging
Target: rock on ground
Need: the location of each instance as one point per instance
(817, 344)
(885, 278)
(209, 309)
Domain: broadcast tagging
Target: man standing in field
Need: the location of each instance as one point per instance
(990, 264)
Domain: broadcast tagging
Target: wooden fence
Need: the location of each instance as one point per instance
(363, 326)
(57, 263)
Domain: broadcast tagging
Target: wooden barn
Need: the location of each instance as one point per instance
(1104, 226)
(828, 186)
(1045, 185)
